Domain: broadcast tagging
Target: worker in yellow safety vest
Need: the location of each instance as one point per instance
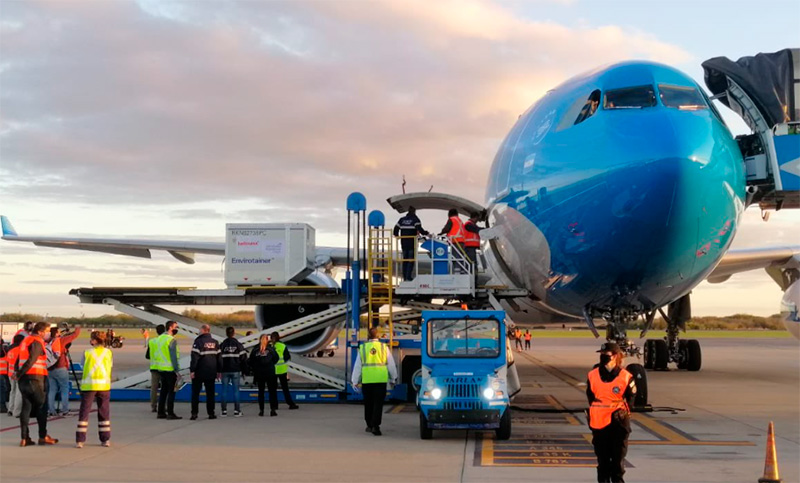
(282, 369)
(165, 361)
(373, 371)
(611, 390)
(155, 374)
(96, 386)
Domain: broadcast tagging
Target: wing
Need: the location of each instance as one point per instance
(773, 259)
(180, 249)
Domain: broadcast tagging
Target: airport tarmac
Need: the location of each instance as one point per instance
(717, 433)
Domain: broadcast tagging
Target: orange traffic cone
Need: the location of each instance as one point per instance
(771, 461)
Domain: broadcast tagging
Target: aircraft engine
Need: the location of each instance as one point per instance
(268, 316)
(789, 305)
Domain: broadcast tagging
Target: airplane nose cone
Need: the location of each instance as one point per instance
(670, 214)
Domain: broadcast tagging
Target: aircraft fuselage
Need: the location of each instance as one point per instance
(626, 209)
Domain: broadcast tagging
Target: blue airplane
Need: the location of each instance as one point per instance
(610, 199)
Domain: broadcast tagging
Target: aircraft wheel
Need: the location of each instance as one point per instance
(320, 353)
(504, 431)
(331, 353)
(695, 355)
(649, 353)
(640, 377)
(684, 354)
(424, 431)
(661, 355)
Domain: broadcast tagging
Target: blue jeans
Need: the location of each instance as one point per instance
(5, 389)
(231, 378)
(59, 383)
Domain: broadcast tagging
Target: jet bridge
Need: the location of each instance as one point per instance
(765, 91)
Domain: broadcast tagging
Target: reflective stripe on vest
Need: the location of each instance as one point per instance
(96, 369)
(608, 397)
(163, 362)
(374, 362)
(39, 368)
(11, 357)
(152, 347)
(280, 366)
(456, 233)
(471, 239)
(3, 366)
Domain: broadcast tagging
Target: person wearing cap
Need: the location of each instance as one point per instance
(408, 228)
(610, 390)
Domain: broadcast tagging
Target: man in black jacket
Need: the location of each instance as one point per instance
(205, 368)
(409, 226)
(234, 359)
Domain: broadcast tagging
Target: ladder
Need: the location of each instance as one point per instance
(380, 282)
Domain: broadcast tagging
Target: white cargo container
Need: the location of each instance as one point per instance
(268, 253)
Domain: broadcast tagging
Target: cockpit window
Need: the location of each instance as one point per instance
(589, 108)
(630, 98)
(681, 97)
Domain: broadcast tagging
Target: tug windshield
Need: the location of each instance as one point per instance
(459, 338)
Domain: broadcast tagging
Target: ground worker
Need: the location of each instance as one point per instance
(205, 368)
(262, 363)
(610, 390)
(166, 362)
(96, 386)
(281, 369)
(31, 370)
(373, 370)
(155, 374)
(58, 373)
(409, 227)
(528, 337)
(234, 360)
(454, 229)
(472, 240)
(14, 396)
(26, 329)
(5, 384)
(518, 339)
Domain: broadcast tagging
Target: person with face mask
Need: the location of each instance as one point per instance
(166, 362)
(611, 391)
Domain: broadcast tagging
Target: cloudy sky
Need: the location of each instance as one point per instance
(167, 119)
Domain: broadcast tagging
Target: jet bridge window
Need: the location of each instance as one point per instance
(630, 98)
(681, 97)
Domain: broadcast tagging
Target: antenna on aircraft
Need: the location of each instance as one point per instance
(404, 184)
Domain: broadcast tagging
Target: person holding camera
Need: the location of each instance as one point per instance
(96, 386)
(611, 391)
(59, 371)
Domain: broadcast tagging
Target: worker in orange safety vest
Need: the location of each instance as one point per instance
(611, 390)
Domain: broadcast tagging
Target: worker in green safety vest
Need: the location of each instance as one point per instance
(373, 370)
(96, 386)
(281, 368)
(164, 359)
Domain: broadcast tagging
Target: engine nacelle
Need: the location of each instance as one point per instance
(789, 306)
(268, 316)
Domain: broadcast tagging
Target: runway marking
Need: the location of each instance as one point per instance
(536, 450)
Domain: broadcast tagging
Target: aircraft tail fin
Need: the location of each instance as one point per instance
(8, 228)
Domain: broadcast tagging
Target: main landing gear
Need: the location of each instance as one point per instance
(658, 353)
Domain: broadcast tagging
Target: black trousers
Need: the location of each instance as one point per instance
(272, 387)
(374, 394)
(610, 446)
(408, 264)
(527, 344)
(34, 403)
(287, 396)
(166, 400)
(197, 387)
